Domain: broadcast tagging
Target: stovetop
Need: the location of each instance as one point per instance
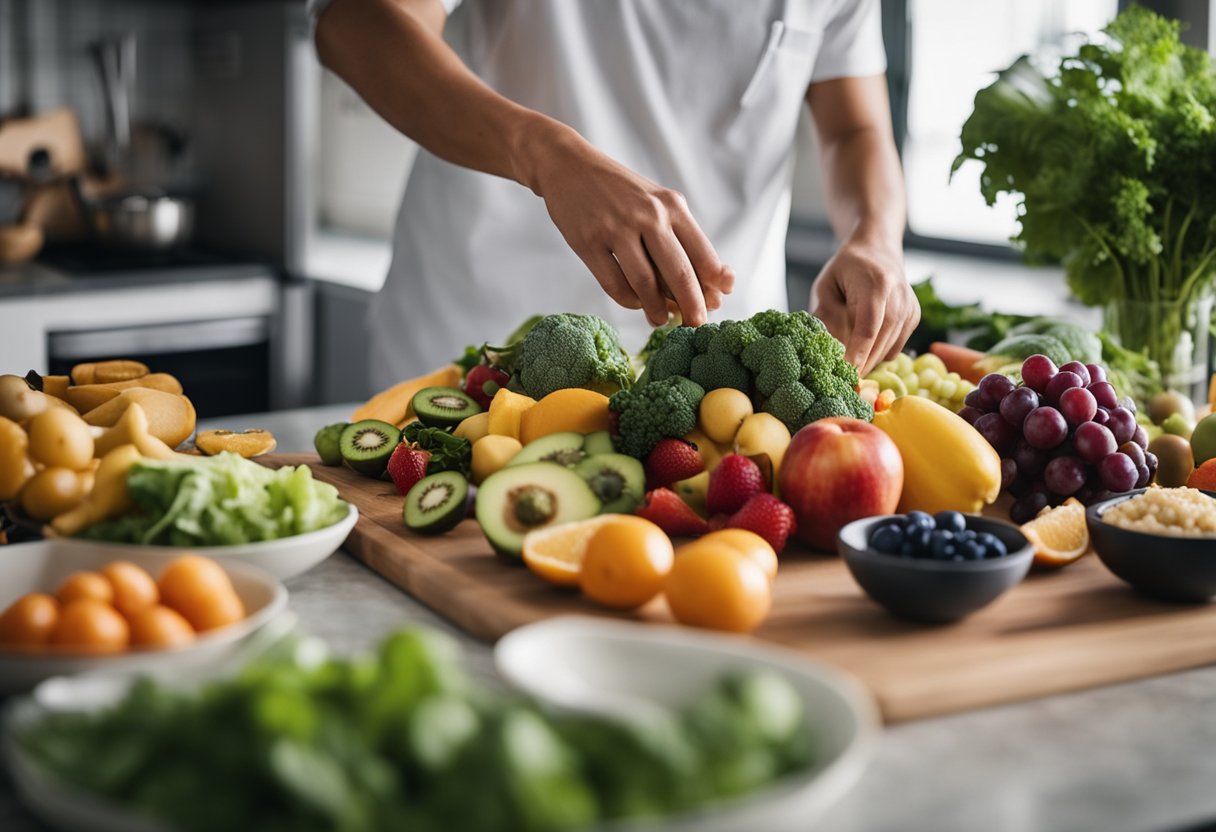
(85, 259)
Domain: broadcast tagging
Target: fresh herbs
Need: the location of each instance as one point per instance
(448, 452)
(983, 328)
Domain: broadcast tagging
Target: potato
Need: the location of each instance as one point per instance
(170, 417)
(109, 496)
(101, 372)
(55, 386)
(61, 439)
(52, 491)
(86, 397)
(19, 401)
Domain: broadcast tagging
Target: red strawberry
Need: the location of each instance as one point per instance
(665, 509)
(406, 466)
(482, 382)
(672, 460)
(718, 521)
(736, 480)
(768, 517)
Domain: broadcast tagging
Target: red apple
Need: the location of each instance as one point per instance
(836, 471)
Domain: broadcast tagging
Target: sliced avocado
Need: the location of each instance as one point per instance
(443, 407)
(520, 498)
(619, 481)
(598, 443)
(564, 448)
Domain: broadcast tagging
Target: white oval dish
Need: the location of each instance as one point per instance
(620, 667)
(41, 566)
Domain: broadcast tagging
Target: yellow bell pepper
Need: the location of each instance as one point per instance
(947, 464)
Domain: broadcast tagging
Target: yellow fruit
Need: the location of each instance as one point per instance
(747, 543)
(571, 409)
(1059, 535)
(395, 405)
(626, 562)
(713, 585)
(492, 453)
(711, 451)
(556, 553)
(29, 621)
(694, 491)
(722, 412)
(763, 434)
(108, 497)
(51, 492)
(171, 417)
(61, 439)
(474, 427)
(506, 411)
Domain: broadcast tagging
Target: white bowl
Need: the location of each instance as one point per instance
(620, 667)
(41, 566)
(284, 558)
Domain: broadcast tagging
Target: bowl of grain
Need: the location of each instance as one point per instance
(1162, 541)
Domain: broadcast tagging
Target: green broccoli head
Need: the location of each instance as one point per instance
(735, 336)
(569, 350)
(788, 403)
(850, 405)
(830, 386)
(654, 411)
(674, 357)
(704, 336)
(774, 361)
(720, 369)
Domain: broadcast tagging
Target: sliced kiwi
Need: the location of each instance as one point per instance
(518, 499)
(598, 443)
(443, 407)
(436, 503)
(619, 481)
(564, 448)
(328, 443)
(366, 445)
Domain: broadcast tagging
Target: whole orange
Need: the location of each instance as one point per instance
(713, 585)
(749, 544)
(625, 562)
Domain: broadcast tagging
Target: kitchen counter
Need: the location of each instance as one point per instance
(35, 278)
(1125, 758)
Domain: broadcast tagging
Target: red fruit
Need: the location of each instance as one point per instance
(665, 509)
(482, 382)
(735, 481)
(406, 466)
(672, 460)
(718, 521)
(768, 517)
(614, 424)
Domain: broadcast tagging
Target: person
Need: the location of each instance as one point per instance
(648, 142)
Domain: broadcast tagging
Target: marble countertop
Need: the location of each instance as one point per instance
(1124, 758)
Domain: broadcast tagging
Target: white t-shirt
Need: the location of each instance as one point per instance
(702, 96)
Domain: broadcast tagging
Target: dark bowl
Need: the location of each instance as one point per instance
(1163, 566)
(934, 590)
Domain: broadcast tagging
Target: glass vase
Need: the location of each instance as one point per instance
(1174, 333)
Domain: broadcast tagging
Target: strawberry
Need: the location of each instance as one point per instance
(672, 460)
(736, 480)
(665, 509)
(407, 465)
(768, 517)
(718, 521)
(482, 382)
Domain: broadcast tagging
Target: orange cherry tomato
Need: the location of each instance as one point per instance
(199, 589)
(85, 585)
(93, 626)
(159, 626)
(134, 589)
(29, 621)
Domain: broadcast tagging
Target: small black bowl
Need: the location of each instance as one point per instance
(934, 590)
(1159, 565)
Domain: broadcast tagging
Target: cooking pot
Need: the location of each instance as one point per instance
(144, 221)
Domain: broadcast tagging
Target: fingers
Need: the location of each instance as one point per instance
(911, 321)
(677, 274)
(611, 279)
(640, 273)
(866, 317)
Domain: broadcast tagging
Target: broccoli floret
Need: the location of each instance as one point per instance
(788, 403)
(774, 362)
(705, 335)
(691, 391)
(849, 405)
(569, 350)
(830, 386)
(674, 357)
(735, 336)
(650, 413)
(720, 369)
(770, 322)
(860, 408)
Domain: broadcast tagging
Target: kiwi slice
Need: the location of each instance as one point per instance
(443, 407)
(598, 443)
(328, 443)
(366, 445)
(518, 499)
(619, 481)
(436, 503)
(565, 448)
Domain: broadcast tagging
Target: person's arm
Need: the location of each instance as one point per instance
(633, 235)
(862, 294)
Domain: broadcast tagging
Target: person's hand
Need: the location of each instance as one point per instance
(637, 238)
(864, 300)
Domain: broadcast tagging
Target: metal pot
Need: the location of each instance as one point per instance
(145, 221)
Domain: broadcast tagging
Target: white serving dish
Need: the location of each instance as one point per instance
(625, 668)
(41, 566)
(284, 558)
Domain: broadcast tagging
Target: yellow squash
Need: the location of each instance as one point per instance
(947, 464)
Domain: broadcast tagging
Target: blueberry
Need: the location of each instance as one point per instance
(947, 552)
(907, 550)
(952, 521)
(919, 538)
(939, 541)
(992, 544)
(967, 534)
(921, 519)
(887, 539)
(971, 550)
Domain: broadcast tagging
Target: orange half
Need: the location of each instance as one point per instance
(556, 553)
(1059, 535)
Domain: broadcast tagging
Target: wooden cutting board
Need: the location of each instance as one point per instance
(1055, 632)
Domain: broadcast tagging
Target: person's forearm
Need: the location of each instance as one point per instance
(864, 187)
(392, 53)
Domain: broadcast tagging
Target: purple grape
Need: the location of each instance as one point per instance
(1096, 373)
(1104, 394)
(997, 431)
(1009, 472)
(1045, 428)
(1118, 472)
(1016, 406)
(1100, 495)
(1150, 459)
(1025, 508)
(1020, 487)
(1122, 424)
(1065, 448)
(970, 414)
(996, 386)
(1093, 442)
(1142, 476)
(1064, 475)
(1085, 495)
(1078, 369)
(980, 401)
(1037, 371)
(1134, 452)
(1078, 405)
(1140, 437)
(1101, 416)
(1060, 382)
(1030, 460)
(1129, 403)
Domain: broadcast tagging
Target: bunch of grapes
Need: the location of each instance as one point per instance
(1060, 433)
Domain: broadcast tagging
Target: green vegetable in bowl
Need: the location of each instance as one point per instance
(220, 500)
